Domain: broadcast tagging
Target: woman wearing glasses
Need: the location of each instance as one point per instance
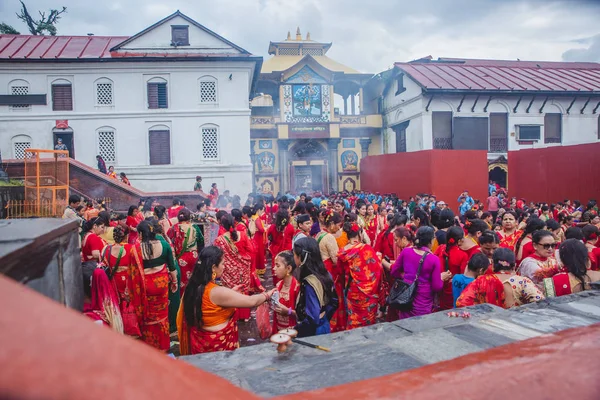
(541, 264)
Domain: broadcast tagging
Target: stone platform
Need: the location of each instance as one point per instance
(394, 347)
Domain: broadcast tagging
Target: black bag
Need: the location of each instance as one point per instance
(402, 294)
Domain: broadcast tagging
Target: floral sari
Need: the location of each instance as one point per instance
(485, 289)
(364, 272)
(288, 298)
(509, 241)
(185, 238)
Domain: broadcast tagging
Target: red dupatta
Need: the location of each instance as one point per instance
(485, 289)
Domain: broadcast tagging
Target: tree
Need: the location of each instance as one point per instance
(46, 24)
(5, 28)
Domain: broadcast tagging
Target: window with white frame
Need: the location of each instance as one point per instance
(158, 95)
(19, 88)
(104, 92)
(210, 143)
(20, 144)
(208, 90)
(106, 144)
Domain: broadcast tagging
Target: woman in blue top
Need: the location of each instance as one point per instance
(478, 265)
(317, 300)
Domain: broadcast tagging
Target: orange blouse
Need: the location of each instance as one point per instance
(212, 314)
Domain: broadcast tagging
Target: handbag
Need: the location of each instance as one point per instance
(402, 294)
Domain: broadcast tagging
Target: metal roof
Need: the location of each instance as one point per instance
(499, 75)
(27, 47)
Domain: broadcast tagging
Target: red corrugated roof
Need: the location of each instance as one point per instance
(501, 75)
(27, 47)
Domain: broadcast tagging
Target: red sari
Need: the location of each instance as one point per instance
(485, 289)
(238, 265)
(90, 243)
(457, 263)
(287, 299)
(129, 286)
(364, 271)
(509, 241)
(172, 212)
(132, 223)
(280, 241)
(184, 239)
(259, 244)
(371, 230)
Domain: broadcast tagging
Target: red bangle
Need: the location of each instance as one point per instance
(266, 296)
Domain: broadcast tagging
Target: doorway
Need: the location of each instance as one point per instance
(498, 175)
(308, 178)
(66, 135)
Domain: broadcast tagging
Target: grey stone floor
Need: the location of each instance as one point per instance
(393, 347)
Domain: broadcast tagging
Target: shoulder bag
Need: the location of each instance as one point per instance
(402, 294)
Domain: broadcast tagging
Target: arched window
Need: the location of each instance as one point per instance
(104, 92)
(208, 89)
(106, 144)
(62, 95)
(19, 87)
(159, 145)
(158, 96)
(20, 143)
(210, 142)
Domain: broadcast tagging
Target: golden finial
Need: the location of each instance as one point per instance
(307, 35)
(289, 36)
(298, 34)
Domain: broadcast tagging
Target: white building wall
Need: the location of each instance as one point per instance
(410, 105)
(131, 119)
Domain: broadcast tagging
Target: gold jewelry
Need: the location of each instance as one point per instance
(214, 275)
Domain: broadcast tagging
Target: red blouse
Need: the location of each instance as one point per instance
(91, 242)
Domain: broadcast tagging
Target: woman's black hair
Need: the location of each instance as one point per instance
(148, 205)
(147, 230)
(200, 205)
(574, 232)
(220, 214)
(201, 276)
(236, 202)
(237, 215)
(424, 236)
(552, 225)
(176, 201)
(503, 259)
(228, 223)
(288, 258)
(510, 212)
(118, 234)
(453, 235)
(397, 221)
(574, 256)
(435, 217)
(348, 229)
(488, 236)
(307, 249)
(300, 208)
(404, 232)
(533, 225)
(184, 215)
(88, 225)
(247, 211)
(331, 217)
(282, 219)
(539, 235)
(258, 206)
(475, 225)
(422, 216)
(131, 210)
(590, 232)
(160, 211)
(87, 270)
(446, 218)
(477, 262)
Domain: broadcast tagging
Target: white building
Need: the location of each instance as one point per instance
(498, 106)
(163, 106)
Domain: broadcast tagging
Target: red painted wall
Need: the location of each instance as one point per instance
(445, 173)
(555, 173)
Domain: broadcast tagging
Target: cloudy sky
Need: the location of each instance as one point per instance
(366, 35)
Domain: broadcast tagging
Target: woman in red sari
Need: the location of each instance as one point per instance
(237, 251)
(372, 221)
(132, 223)
(329, 249)
(474, 229)
(260, 238)
(100, 301)
(92, 244)
(160, 275)
(509, 234)
(207, 318)
(363, 270)
(577, 277)
(452, 259)
(590, 236)
(186, 239)
(385, 243)
(524, 246)
(280, 236)
(541, 264)
(127, 276)
(289, 288)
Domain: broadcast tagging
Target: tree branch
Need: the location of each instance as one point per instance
(26, 17)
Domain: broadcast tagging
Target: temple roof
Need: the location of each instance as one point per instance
(283, 63)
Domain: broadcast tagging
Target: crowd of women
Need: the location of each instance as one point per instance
(161, 273)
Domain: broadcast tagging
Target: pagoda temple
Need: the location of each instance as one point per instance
(302, 139)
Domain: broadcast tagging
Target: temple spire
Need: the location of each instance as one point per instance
(307, 35)
(298, 34)
(289, 36)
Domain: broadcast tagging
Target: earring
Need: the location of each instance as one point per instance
(214, 275)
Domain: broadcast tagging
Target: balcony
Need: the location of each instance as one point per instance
(498, 145)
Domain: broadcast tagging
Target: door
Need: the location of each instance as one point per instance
(303, 179)
(67, 139)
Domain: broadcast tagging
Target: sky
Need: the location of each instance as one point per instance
(367, 35)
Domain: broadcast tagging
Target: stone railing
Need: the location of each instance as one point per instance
(262, 120)
(352, 119)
